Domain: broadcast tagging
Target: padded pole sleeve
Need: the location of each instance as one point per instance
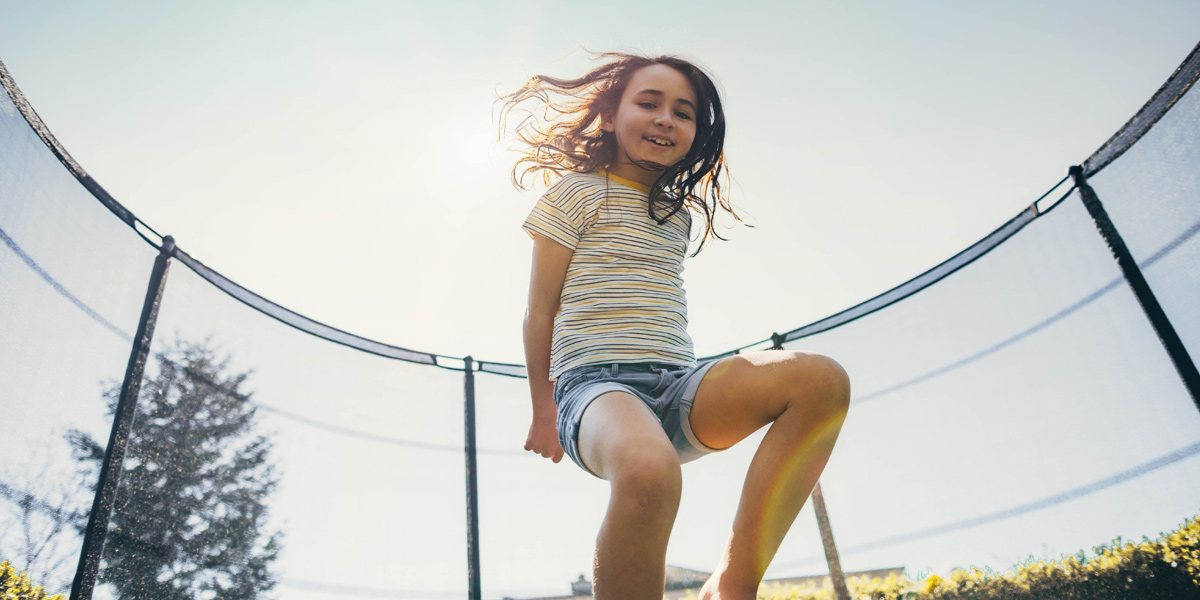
(114, 454)
(476, 592)
(1141, 289)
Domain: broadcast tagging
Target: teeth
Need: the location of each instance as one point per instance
(660, 142)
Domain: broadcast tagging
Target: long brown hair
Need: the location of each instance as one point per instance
(560, 133)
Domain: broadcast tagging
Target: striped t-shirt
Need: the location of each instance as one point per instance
(623, 299)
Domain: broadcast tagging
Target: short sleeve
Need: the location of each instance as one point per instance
(560, 214)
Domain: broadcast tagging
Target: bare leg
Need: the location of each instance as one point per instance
(805, 397)
(622, 441)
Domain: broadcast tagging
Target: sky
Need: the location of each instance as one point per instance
(341, 158)
(867, 141)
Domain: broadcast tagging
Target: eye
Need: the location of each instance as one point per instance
(646, 105)
(684, 116)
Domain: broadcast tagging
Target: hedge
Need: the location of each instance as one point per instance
(1166, 568)
(17, 586)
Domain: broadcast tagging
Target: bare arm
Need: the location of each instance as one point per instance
(550, 260)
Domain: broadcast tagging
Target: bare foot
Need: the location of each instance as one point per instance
(714, 589)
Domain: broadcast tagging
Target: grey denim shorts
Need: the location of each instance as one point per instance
(666, 390)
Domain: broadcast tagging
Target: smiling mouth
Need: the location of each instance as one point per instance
(657, 141)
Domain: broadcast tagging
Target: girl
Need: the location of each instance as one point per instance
(638, 146)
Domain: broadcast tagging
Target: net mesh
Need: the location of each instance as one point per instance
(367, 452)
(72, 281)
(1151, 195)
(1018, 405)
(997, 407)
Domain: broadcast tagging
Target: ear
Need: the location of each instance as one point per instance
(606, 123)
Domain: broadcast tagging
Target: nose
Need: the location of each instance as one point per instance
(664, 119)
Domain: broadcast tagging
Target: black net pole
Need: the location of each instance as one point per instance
(1141, 289)
(114, 454)
(476, 592)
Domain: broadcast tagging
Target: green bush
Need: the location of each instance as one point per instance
(17, 586)
(1167, 568)
(860, 588)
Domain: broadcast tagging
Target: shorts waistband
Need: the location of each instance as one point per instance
(614, 369)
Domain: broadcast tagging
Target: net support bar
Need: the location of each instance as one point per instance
(476, 589)
(114, 454)
(840, 591)
(1141, 289)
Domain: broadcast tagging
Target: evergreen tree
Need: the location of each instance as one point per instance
(190, 512)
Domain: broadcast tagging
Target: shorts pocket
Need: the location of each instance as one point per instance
(574, 377)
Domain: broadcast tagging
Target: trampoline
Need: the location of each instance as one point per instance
(1080, 345)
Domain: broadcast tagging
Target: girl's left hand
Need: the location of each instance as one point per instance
(543, 439)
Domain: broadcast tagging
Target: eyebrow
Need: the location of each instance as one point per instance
(660, 94)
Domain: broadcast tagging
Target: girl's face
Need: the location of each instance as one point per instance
(655, 123)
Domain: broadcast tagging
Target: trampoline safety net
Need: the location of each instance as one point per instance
(1013, 401)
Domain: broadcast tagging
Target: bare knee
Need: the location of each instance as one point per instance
(646, 482)
(822, 380)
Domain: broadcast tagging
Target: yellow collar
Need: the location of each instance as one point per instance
(625, 182)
